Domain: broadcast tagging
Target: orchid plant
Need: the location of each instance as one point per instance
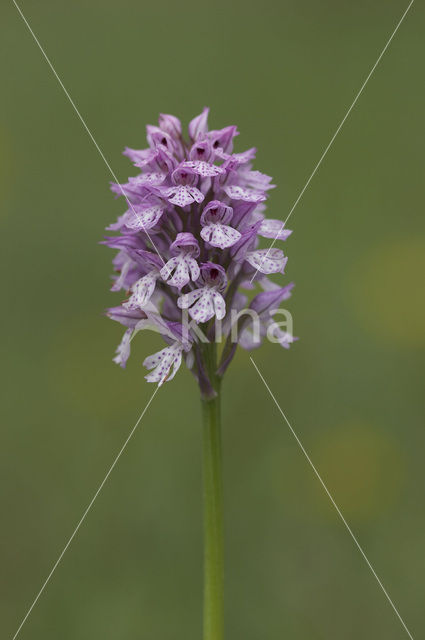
(188, 258)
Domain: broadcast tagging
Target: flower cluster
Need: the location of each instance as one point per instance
(188, 244)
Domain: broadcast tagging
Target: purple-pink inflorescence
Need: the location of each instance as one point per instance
(188, 243)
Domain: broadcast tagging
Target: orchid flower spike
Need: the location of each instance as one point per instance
(191, 239)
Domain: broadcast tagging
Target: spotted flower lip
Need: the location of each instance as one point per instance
(202, 168)
(267, 260)
(206, 302)
(274, 229)
(184, 192)
(164, 364)
(189, 243)
(185, 250)
(216, 231)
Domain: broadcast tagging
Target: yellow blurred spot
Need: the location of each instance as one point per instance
(363, 469)
(387, 291)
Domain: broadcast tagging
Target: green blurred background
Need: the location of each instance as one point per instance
(285, 73)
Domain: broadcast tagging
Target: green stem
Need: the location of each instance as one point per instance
(213, 512)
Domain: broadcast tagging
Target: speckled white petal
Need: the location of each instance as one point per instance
(181, 274)
(183, 268)
(165, 364)
(193, 267)
(204, 169)
(153, 178)
(207, 232)
(184, 195)
(142, 291)
(267, 260)
(203, 310)
(168, 268)
(197, 195)
(220, 235)
(219, 305)
(145, 219)
(239, 193)
(274, 229)
(187, 299)
(179, 196)
(123, 349)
